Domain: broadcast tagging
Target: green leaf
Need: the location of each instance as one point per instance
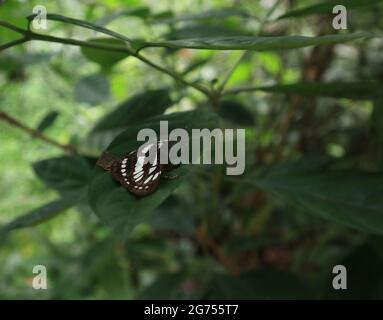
(117, 207)
(171, 216)
(47, 121)
(260, 284)
(207, 15)
(351, 198)
(137, 108)
(40, 214)
(205, 30)
(359, 90)
(236, 113)
(259, 43)
(326, 7)
(93, 89)
(67, 174)
(377, 128)
(105, 58)
(84, 24)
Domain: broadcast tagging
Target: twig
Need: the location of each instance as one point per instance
(30, 35)
(12, 27)
(13, 43)
(230, 73)
(35, 133)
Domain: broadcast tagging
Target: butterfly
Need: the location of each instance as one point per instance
(140, 170)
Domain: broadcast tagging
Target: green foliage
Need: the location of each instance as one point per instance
(258, 43)
(48, 121)
(260, 284)
(310, 197)
(348, 197)
(137, 108)
(326, 7)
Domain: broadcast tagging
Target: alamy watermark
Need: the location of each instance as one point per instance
(39, 281)
(183, 148)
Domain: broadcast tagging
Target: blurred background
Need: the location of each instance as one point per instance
(311, 196)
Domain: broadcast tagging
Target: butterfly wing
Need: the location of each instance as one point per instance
(140, 177)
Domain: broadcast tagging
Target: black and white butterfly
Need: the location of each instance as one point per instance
(140, 170)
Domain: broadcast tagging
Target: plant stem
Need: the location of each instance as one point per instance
(13, 43)
(230, 73)
(12, 27)
(173, 74)
(35, 133)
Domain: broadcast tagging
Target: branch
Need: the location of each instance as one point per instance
(240, 90)
(35, 133)
(13, 43)
(12, 27)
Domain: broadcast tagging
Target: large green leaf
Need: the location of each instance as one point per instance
(105, 58)
(260, 284)
(113, 204)
(67, 174)
(351, 198)
(136, 109)
(41, 214)
(359, 90)
(84, 24)
(258, 43)
(326, 7)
